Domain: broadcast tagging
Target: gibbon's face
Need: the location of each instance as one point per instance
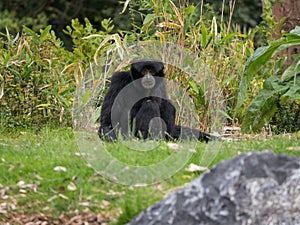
(148, 80)
(147, 70)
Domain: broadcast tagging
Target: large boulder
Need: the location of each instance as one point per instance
(254, 188)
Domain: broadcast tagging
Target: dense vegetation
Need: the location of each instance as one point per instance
(37, 14)
(39, 75)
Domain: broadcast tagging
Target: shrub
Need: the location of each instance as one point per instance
(277, 90)
(35, 90)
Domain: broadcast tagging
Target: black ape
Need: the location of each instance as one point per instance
(137, 104)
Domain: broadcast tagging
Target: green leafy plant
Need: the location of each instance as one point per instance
(223, 48)
(284, 88)
(34, 89)
(85, 45)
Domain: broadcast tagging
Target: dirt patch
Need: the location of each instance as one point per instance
(75, 218)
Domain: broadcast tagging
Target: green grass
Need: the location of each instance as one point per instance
(30, 158)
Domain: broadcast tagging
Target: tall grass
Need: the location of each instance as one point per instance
(222, 48)
(34, 89)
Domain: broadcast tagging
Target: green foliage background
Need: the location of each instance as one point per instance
(36, 90)
(37, 14)
(39, 72)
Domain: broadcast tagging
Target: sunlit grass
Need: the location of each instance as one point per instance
(44, 172)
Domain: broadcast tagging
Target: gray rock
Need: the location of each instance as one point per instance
(254, 188)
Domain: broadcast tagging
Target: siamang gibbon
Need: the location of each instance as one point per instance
(136, 104)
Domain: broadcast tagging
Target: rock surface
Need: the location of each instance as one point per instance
(254, 188)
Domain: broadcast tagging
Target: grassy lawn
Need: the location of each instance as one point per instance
(44, 172)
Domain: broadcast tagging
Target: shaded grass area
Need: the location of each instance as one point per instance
(45, 172)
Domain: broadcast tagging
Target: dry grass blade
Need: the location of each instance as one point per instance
(125, 6)
(1, 86)
(179, 16)
(169, 25)
(118, 45)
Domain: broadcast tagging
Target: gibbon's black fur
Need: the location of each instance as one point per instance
(136, 104)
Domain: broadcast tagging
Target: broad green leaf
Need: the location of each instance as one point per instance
(225, 114)
(290, 43)
(297, 69)
(63, 99)
(293, 93)
(7, 58)
(296, 30)
(263, 106)
(148, 19)
(96, 115)
(229, 79)
(257, 117)
(228, 37)
(292, 71)
(86, 96)
(45, 32)
(31, 32)
(16, 38)
(7, 34)
(259, 59)
(189, 9)
(194, 86)
(294, 90)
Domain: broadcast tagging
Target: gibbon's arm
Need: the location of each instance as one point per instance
(118, 81)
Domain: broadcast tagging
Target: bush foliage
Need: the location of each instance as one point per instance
(35, 90)
(39, 75)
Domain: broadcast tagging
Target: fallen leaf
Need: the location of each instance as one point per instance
(46, 208)
(60, 168)
(193, 168)
(114, 193)
(22, 191)
(11, 167)
(159, 187)
(174, 146)
(187, 177)
(37, 176)
(86, 204)
(5, 197)
(293, 148)
(52, 198)
(22, 195)
(63, 196)
(105, 203)
(80, 154)
(21, 183)
(140, 185)
(192, 150)
(71, 187)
